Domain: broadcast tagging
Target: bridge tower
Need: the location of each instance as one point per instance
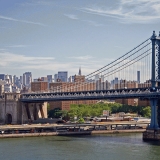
(158, 74)
(155, 81)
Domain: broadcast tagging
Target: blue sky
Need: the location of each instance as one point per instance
(47, 36)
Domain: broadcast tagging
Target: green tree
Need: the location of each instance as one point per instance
(146, 112)
(54, 113)
(81, 120)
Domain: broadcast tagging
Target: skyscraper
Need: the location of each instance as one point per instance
(27, 78)
(49, 77)
(55, 77)
(63, 76)
(79, 73)
(138, 76)
(2, 76)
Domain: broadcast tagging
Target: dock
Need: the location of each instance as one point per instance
(36, 130)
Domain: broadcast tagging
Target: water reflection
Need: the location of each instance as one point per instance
(110, 147)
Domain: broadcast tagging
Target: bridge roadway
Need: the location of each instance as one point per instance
(142, 93)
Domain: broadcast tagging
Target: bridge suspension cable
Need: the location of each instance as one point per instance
(95, 72)
(133, 60)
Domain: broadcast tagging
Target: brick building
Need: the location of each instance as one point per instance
(132, 84)
(79, 84)
(39, 86)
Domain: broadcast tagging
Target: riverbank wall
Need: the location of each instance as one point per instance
(18, 135)
(151, 135)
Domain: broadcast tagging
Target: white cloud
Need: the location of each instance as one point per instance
(93, 23)
(130, 11)
(16, 62)
(71, 16)
(87, 57)
(10, 59)
(22, 21)
(18, 46)
(35, 3)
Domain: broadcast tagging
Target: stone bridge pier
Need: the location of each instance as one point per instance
(33, 111)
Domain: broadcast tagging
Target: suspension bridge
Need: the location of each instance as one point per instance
(144, 58)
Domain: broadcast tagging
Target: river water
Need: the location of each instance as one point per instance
(95, 147)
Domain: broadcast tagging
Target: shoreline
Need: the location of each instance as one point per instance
(20, 135)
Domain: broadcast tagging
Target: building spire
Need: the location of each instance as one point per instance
(79, 71)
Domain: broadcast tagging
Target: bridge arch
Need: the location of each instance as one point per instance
(8, 118)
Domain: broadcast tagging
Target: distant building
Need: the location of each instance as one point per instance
(21, 79)
(8, 87)
(11, 79)
(96, 77)
(116, 80)
(14, 80)
(102, 78)
(55, 77)
(49, 78)
(27, 78)
(138, 76)
(1, 89)
(79, 78)
(7, 79)
(70, 87)
(39, 86)
(71, 79)
(63, 76)
(44, 79)
(78, 84)
(101, 85)
(79, 73)
(2, 76)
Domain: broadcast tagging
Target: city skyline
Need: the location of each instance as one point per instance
(49, 36)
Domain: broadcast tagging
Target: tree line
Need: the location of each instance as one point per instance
(96, 110)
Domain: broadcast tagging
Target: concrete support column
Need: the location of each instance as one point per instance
(41, 109)
(38, 110)
(27, 111)
(44, 108)
(31, 110)
(154, 123)
(35, 114)
(24, 113)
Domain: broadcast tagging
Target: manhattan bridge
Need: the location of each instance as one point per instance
(144, 58)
